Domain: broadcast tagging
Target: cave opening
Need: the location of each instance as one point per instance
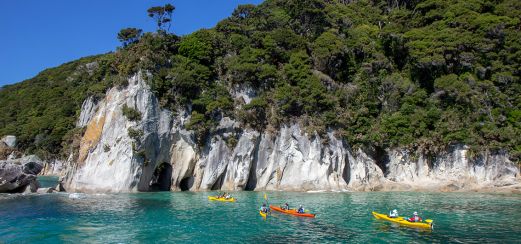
(382, 159)
(162, 178)
(186, 183)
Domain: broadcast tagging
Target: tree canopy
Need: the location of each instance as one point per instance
(162, 15)
(129, 35)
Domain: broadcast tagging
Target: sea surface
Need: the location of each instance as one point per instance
(175, 217)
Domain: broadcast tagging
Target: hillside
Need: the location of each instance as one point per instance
(416, 74)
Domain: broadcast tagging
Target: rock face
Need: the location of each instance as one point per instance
(452, 170)
(88, 108)
(52, 168)
(16, 175)
(110, 159)
(158, 153)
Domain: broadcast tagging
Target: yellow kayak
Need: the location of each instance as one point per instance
(404, 222)
(211, 198)
(263, 214)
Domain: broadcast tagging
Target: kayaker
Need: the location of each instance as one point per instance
(227, 196)
(415, 218)
(300, 209)
(286, 206)
(264, 209)
(393, 214)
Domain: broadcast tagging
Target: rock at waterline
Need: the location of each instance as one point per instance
(17, 174)
(46, 190)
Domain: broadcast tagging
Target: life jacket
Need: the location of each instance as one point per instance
(415, 219)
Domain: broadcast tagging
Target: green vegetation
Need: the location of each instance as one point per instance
(131, 113)
(417, 74)
(42, 111)
(162, 16)
(128, 36)
(135, 134)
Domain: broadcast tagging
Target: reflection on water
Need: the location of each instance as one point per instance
(341, 217)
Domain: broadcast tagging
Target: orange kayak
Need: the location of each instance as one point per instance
(292, 212)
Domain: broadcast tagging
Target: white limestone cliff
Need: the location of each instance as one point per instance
(165, 156)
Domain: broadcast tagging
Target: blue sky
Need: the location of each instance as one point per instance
(40, 34)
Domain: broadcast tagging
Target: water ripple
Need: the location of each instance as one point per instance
(176, 217)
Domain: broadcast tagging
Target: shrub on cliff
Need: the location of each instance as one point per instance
(131, 113)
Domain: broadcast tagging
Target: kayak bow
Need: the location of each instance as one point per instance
(292, 212)
(403, 221)
(211, 198)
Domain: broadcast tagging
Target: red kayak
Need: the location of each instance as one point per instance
(292, 212)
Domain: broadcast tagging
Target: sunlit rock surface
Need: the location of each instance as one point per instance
(165, 156)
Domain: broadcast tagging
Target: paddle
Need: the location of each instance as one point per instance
(428, 221)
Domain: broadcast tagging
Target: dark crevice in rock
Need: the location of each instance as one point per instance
(252, 176)
(220, 180)
(162, 178)
(346, 173)
(381, 158)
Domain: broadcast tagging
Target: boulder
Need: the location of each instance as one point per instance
(59, 188)
(10, 141)
(16, 175)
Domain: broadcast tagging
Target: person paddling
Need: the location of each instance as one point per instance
(300, 209)
(264, 209)
(415, 218)
(393, 214)
(285, 207)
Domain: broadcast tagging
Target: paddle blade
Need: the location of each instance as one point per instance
(428, 221)
(265, 196)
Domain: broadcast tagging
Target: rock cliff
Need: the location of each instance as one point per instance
(156, 152)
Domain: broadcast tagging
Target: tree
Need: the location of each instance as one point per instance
(129, 35)
(243, 11)
(162, 15)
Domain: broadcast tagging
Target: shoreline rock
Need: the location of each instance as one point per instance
(20, 175)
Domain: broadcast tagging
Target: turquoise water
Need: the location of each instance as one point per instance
(48, 181)
(184, 216)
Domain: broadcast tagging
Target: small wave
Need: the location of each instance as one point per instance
(343, 190)
(76, 196)
(325, 191)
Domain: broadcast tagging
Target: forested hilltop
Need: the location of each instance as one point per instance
(416, 74)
